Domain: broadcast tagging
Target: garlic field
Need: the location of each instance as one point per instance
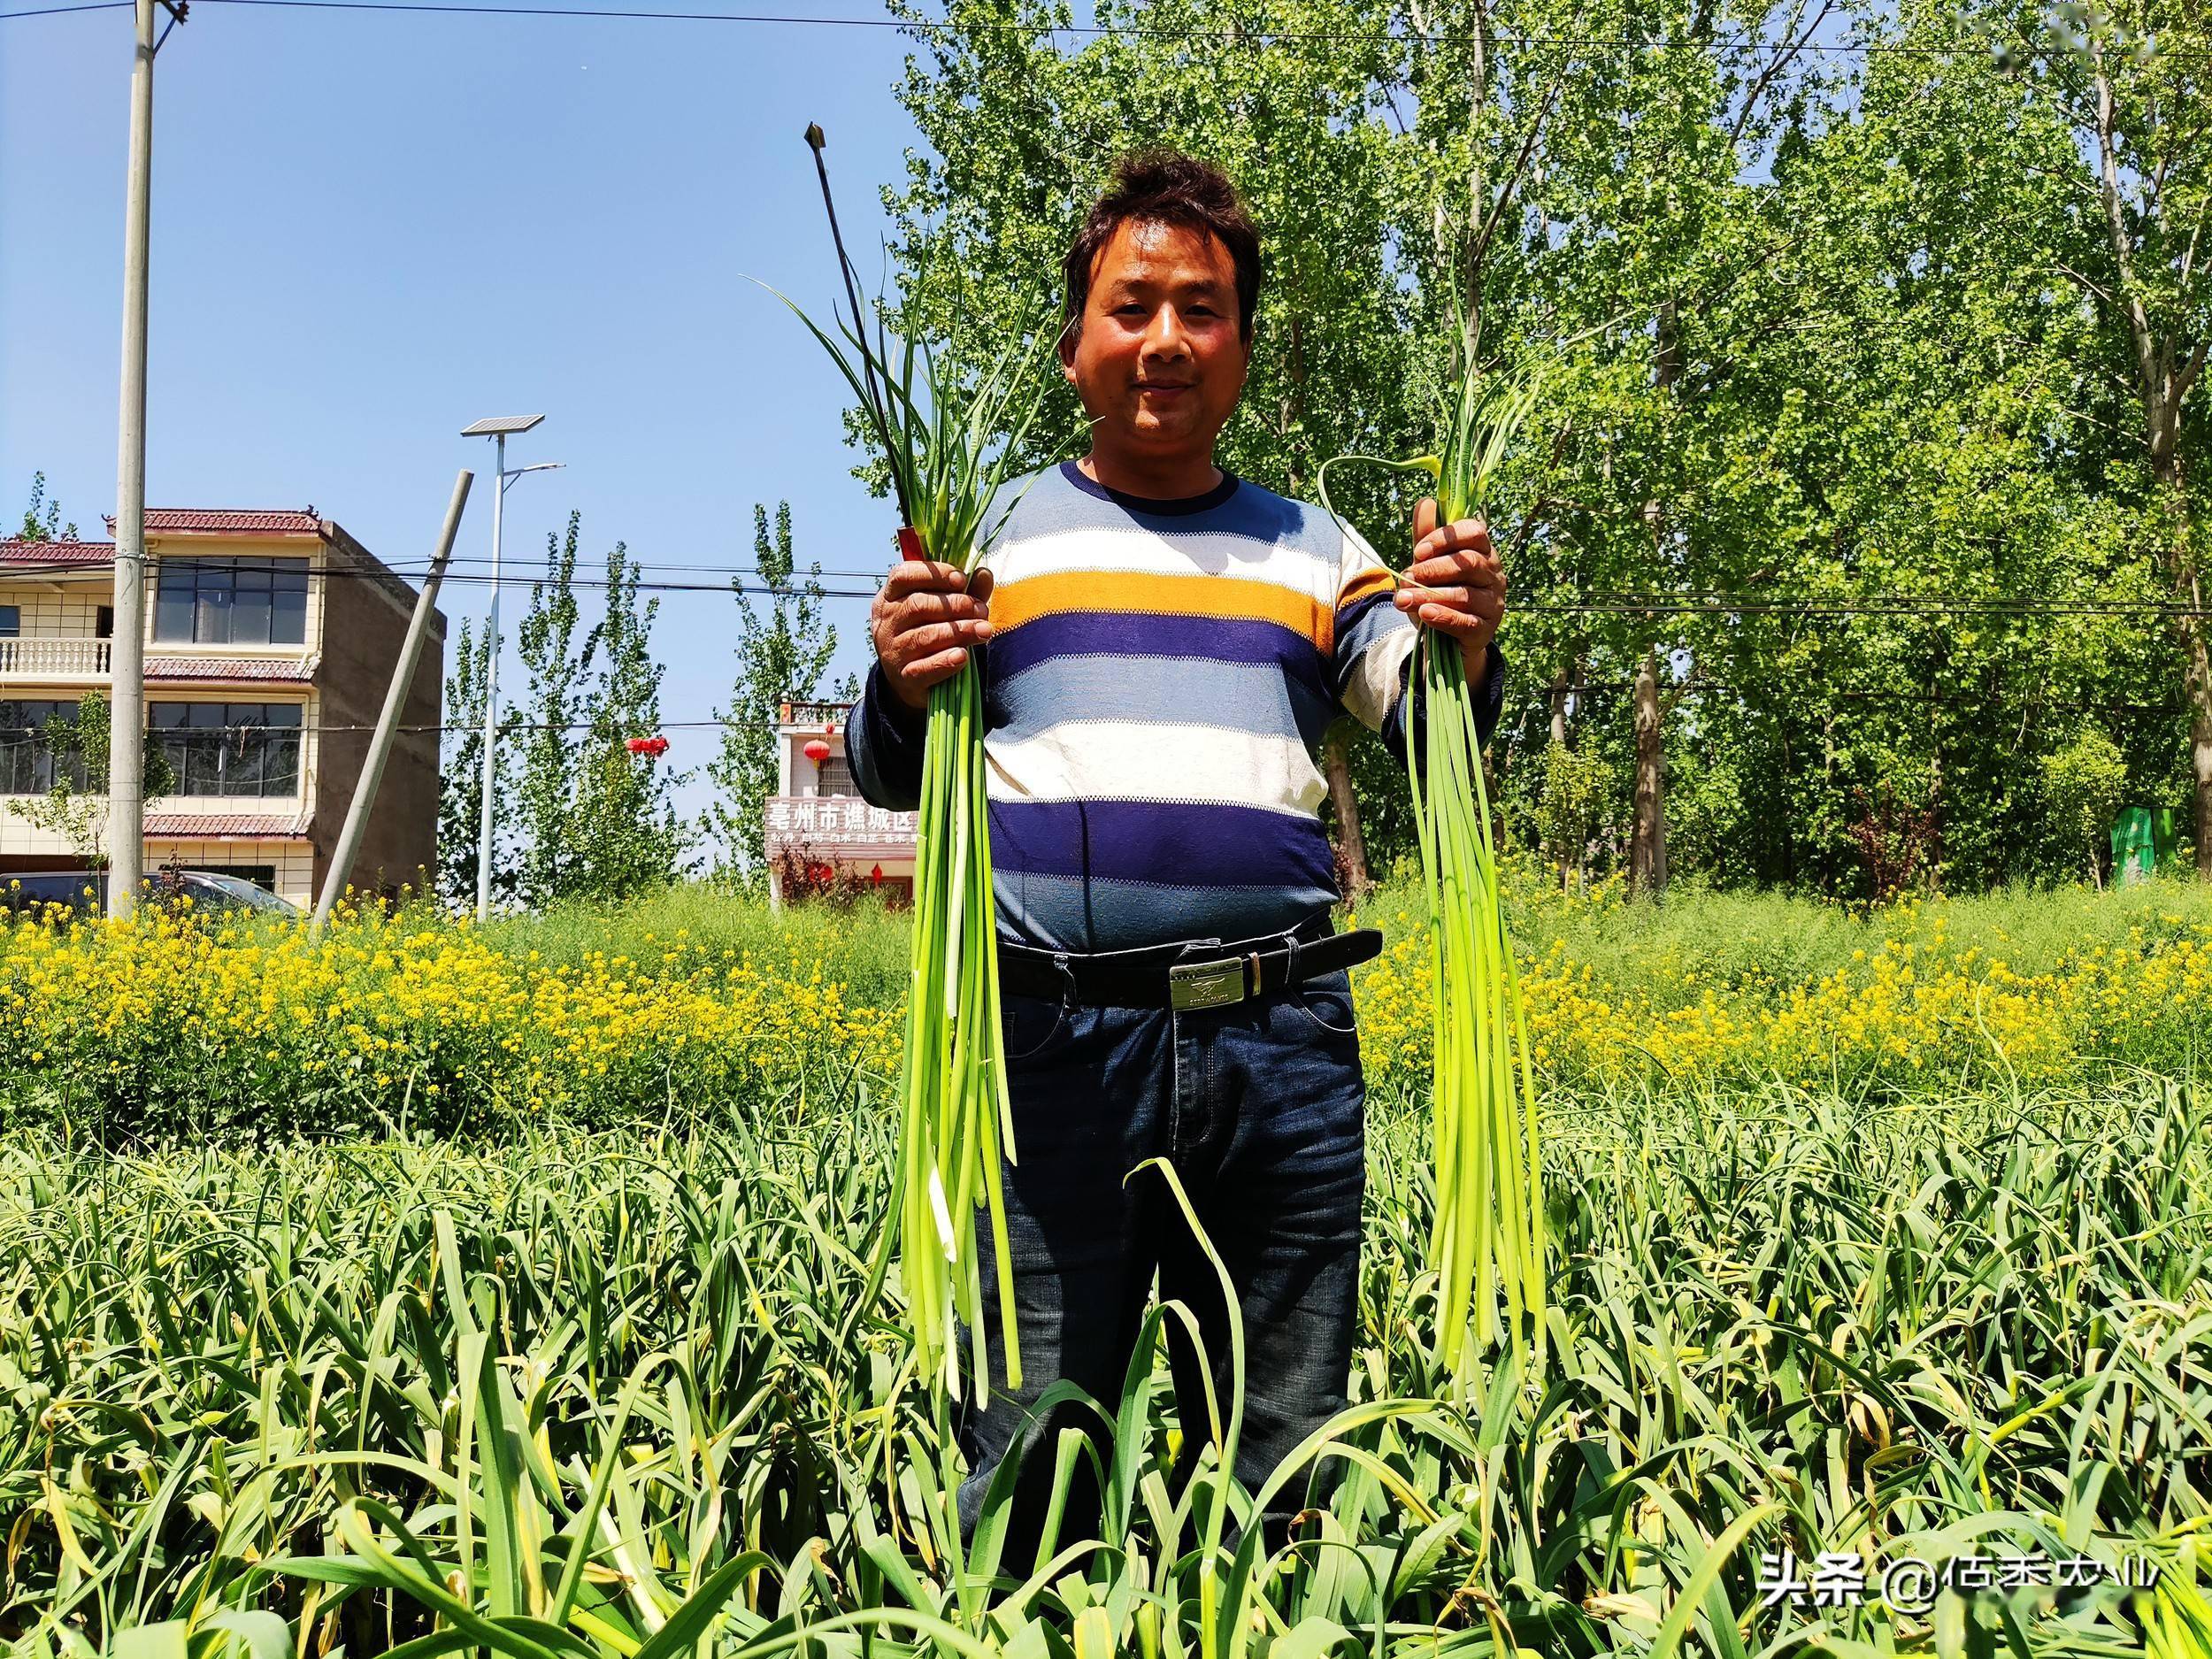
(550, 1383)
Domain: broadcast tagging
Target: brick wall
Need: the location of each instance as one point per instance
(363, 630)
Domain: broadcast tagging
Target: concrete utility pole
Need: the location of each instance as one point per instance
(126, 687)
(395, 702)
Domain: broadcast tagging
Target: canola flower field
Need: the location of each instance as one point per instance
(707, 1005)
(427, 1289)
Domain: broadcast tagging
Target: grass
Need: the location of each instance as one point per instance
(1701, 936)
(701, 1007)
(865, 944)
(570, 1392)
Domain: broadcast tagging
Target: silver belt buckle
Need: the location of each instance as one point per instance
(1206, 983)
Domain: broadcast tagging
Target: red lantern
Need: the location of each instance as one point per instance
(636, 745)
(818, 751)
(646, 745)
(876, 875)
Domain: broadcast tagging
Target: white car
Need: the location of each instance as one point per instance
(84, 892)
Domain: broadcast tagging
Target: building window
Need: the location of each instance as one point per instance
(231, 602)
(27, 758)
(103, 624)
(836, 777)
(235, 749)
(11, 621)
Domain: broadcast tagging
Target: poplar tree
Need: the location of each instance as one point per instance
(625, 836)
(784, 647)
(550, 743)
(461, 780)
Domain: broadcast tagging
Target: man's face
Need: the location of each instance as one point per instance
(1160, 361)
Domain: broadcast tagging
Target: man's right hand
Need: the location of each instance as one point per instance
(923, 623)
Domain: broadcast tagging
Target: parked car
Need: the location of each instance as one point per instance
(84, 892)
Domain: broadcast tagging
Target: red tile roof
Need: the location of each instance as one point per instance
(226, 825)
(229, 521)
(217, 521)
(14, 551)
(288, 670)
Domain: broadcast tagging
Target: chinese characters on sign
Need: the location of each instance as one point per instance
(1910, 1584)
(827, 824)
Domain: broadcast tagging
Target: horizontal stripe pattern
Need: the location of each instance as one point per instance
(1156, 690)
(1165, 691)
(1154, 760)
(1019, 602)
(1363, 585)
(1141, 550)
(1371, 657)
(1185, 843)
(1132, 634)
(1066, 913)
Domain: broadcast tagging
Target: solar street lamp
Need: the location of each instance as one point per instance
(496, 428)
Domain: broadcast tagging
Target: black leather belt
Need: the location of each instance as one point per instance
(1194, 973)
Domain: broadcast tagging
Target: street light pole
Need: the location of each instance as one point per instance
(497, 429)
(491, 698)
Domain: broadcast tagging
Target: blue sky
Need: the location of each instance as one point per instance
(369, 229)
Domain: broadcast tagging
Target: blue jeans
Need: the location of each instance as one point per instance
(1259, 1107)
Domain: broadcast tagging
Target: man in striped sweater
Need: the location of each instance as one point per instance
(1166, 644)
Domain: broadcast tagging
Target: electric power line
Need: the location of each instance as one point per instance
(1237, 36)
(1902, 606)
(2009, 696)
(1535, 697)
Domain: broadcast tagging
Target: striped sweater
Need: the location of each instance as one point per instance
(1155, 693)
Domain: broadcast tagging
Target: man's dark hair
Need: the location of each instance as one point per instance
(1163, 187)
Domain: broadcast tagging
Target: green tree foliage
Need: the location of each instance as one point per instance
(461, 780)
(784, 647)
(75, 805)
(2085, 783)
(1853, 382)
(623, 835)
(2124, 92)
(42, 518)
(577, 815)
(1577, 790)
(553, 659)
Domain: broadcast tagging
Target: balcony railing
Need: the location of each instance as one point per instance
(53, 657)
(56, 659)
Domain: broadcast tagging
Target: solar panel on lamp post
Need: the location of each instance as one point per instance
(496, 428)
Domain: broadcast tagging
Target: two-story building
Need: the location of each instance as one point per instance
(270, 640)
(816, 823)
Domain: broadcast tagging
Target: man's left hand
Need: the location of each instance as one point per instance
(1455, 585)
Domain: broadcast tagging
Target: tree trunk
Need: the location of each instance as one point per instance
(1337, 765)
(2162, 412)
(1647, 846)
(2201, 741)
(2196, 654)
(1569, 857)
(2180, 559)
(2165, 370)
(1648, 843)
